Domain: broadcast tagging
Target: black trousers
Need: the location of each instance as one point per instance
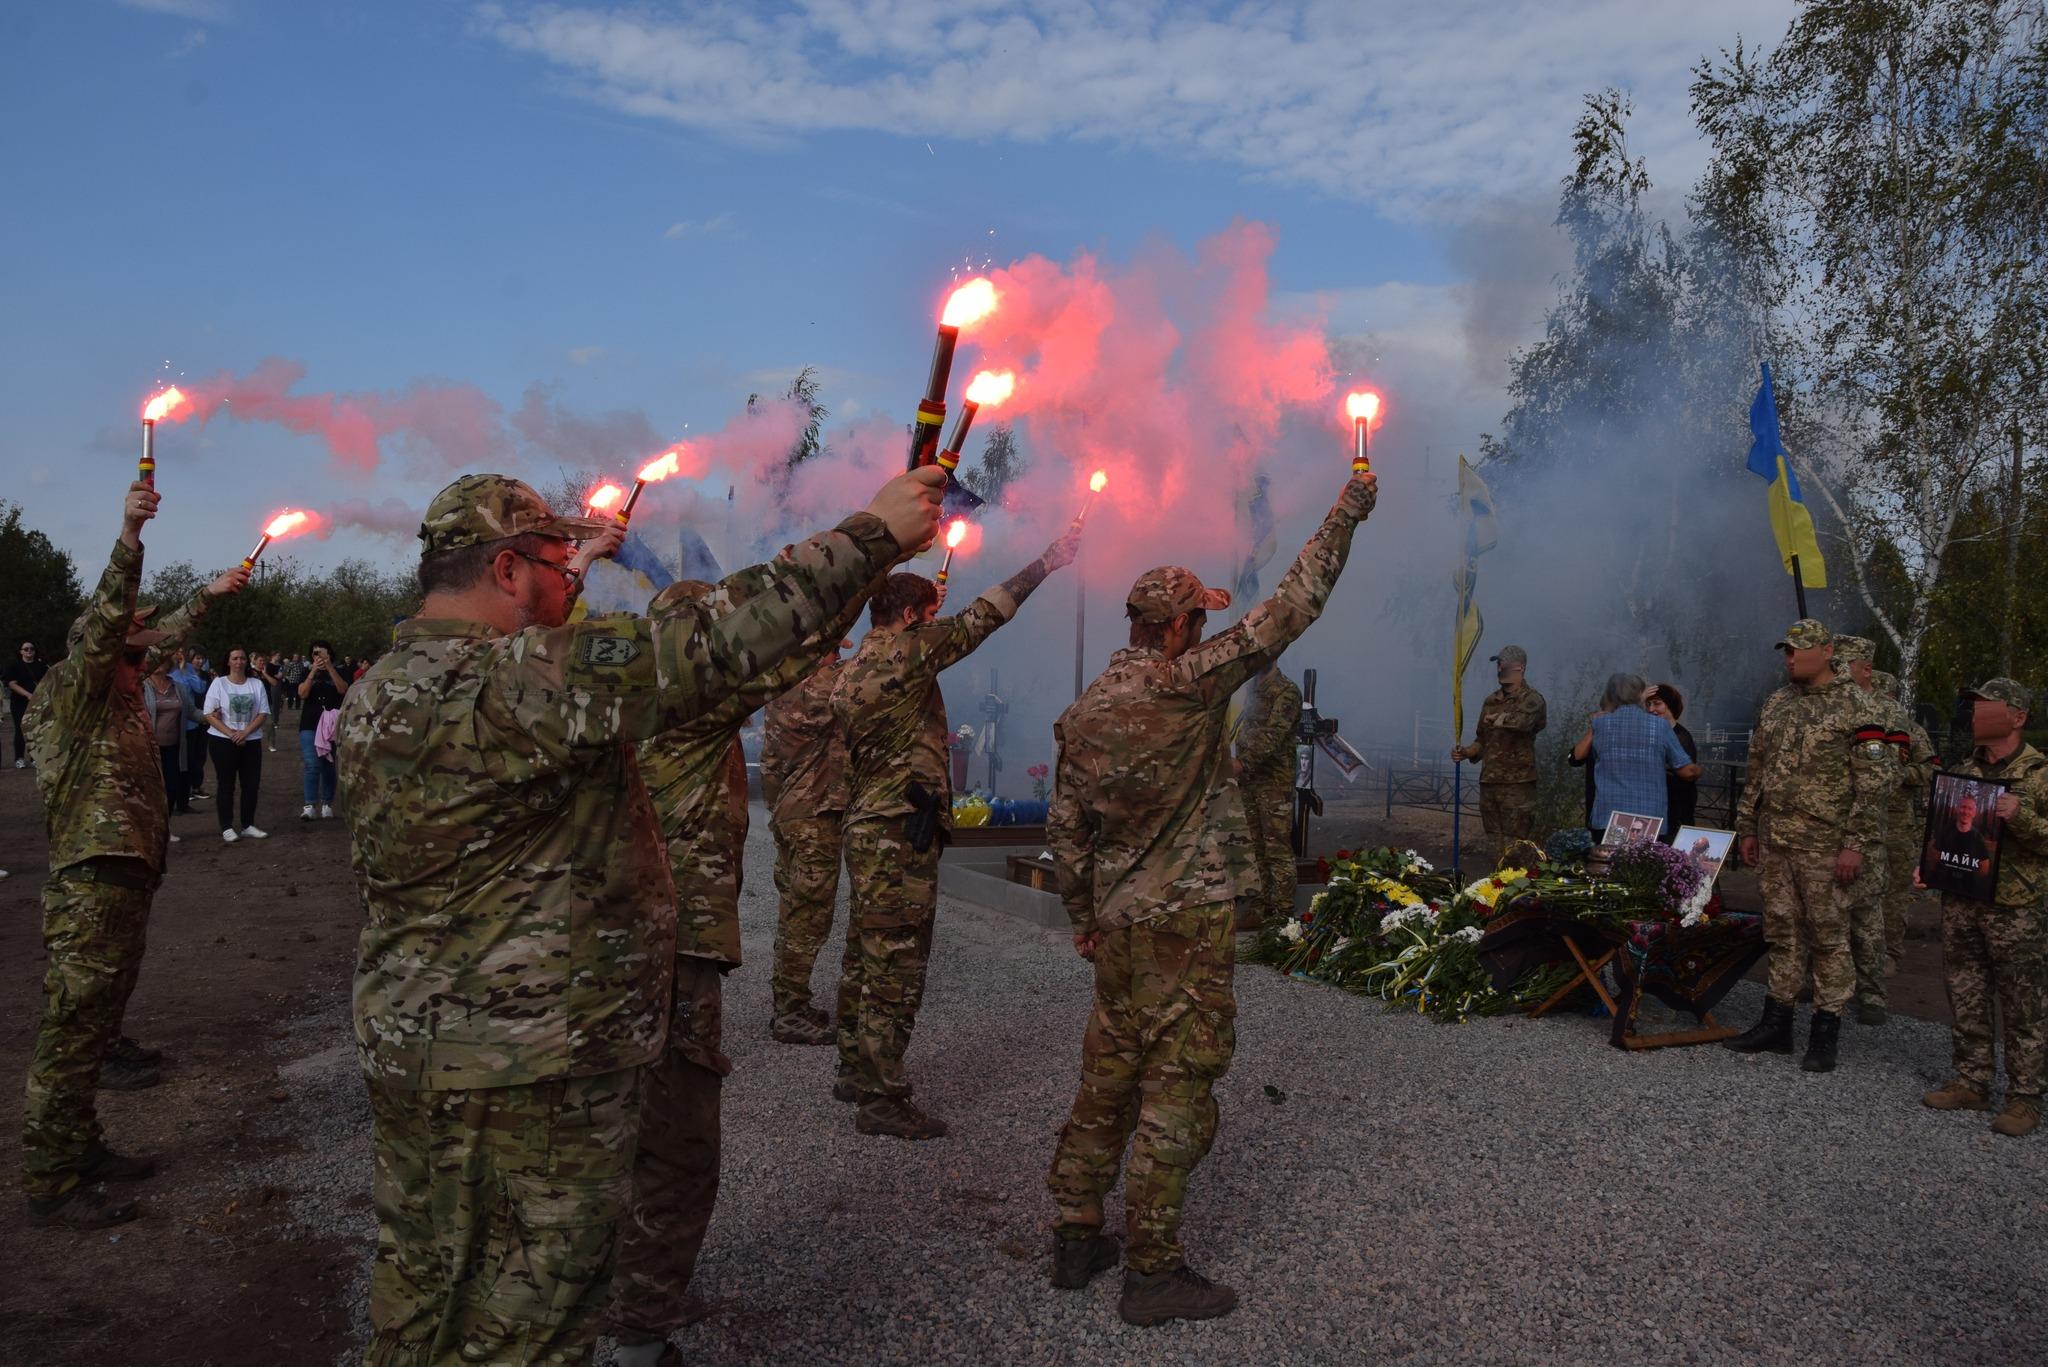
(16, 704)
(195, 760)
(235, 765)
(175, 787)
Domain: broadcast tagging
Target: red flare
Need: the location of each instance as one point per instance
(284, 524)
(956, 533)
(1362, 405)
(604, 497)
(669, 462)
(990, 388)
(1098, 481)
(969, 304)
(165, 404)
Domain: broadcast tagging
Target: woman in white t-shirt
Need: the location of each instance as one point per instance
(237, 708)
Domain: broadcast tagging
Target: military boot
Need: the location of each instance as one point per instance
(1956, 1096)
(1076, 1261)
(897, 1116)
(1870, 1013)
(1182, 1294)
(1772, 1034)
(1823, 1034)
(846, 1086)
(82, 1207)
(2018, 1118)
(102, 1164)
(116, 1076)
(126, 1050)
(798, 1028)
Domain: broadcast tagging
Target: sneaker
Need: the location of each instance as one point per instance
(82, 1207)
(1076, 1261)
(306, 812)
(176, 838)
(254, 833)
(126, 1050)
(116, 1076)
(897, 1117)
(2018, 1118)
(1956, 1096)
(1182, 1294)
(326, 812)
(198, 796)
(102, 1164)
(799, 1028)
(229, 835)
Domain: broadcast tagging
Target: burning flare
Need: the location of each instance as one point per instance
(604, 498)
(669, 462)
(164, 404)
(1098, 481)
(991, 387)
(969, 304)
(1362, 404)
(956, 533)
(284, 524)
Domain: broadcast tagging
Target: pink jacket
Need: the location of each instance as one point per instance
(323, 733)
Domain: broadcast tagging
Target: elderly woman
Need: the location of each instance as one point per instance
(1632, 753)
(1681, 795)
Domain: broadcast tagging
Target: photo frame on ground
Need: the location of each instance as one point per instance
(1706, 844)
(1960, 855)
(1622, 827)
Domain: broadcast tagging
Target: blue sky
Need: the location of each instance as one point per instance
(652, 210)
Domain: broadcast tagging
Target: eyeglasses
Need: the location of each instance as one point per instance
(568, 575)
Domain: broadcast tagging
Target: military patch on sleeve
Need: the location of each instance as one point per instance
(1874, 749)
(609, 652)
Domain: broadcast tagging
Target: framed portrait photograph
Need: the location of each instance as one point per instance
(1705, 844)
(1623, 827)
(1960, 856)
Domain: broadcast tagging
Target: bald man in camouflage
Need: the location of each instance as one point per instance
(1148, 834)
(517, 969)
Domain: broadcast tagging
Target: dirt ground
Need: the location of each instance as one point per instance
(241, 939)
(244, 940)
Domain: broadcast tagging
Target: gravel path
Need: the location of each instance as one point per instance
(1502, 1191)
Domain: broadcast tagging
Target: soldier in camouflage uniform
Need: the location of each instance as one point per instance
(97, 765)
(1906, 822)
(1147, 829)
(2000, 950)
(1265, 755)
(803, 781)
(1812, 820)
(900, 795)
(1504, 745)
(696, 776)
(1875, 946)
(519, 958)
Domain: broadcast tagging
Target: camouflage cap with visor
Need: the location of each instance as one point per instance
(1165, 593)
(1511, 655)
(480, 508)
(1805, 634)
(2011, 692)
(1851, 649)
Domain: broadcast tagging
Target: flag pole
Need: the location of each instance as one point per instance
(1799, 586)
(1457, 808)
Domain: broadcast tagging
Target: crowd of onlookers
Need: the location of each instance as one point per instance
(228, 718)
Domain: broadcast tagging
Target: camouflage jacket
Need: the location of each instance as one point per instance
(94, 749)
(696, 776)
(888, 705)
(1265, 742)
(1145, 818)
(1506, 734)
(803, 754)
(1821, 771)
(2023, 836)
(1916, 762)
(522, 921)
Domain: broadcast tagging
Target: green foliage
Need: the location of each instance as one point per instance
(1001, 465)
(285, 608)
(804, 390)
(43, 594)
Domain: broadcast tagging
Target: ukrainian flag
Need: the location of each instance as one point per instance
(1768, 459)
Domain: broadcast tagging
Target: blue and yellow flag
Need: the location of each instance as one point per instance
(1768, 459)
(1255, 524)
(1482, 534)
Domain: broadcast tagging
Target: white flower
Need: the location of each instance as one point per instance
(1291, 932)
(1695, 909)
(1342, 941)
(1416, 863)
(1315, 903)
(1470, 935)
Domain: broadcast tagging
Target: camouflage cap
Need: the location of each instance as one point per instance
(1804, 633)
(1165, 593)
(1850, 649)
(2011, 692)
(480, 508)
(1885, 682)
(1512, 655)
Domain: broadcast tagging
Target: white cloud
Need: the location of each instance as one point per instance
(586, 355)
(697, 227)
(1411, 108)
(203, 11)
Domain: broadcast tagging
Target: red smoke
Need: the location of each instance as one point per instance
(457, 425)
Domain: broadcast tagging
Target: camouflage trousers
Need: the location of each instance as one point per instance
(1508, 810)
(895, 895)
(1161, 1034)
(93, 931)
(806, 884)
(1866, 929)
(1902, 858)
(1806, 922)
(1270, 807)
(498, 1213)
(675, 1169)
(2002, 953)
